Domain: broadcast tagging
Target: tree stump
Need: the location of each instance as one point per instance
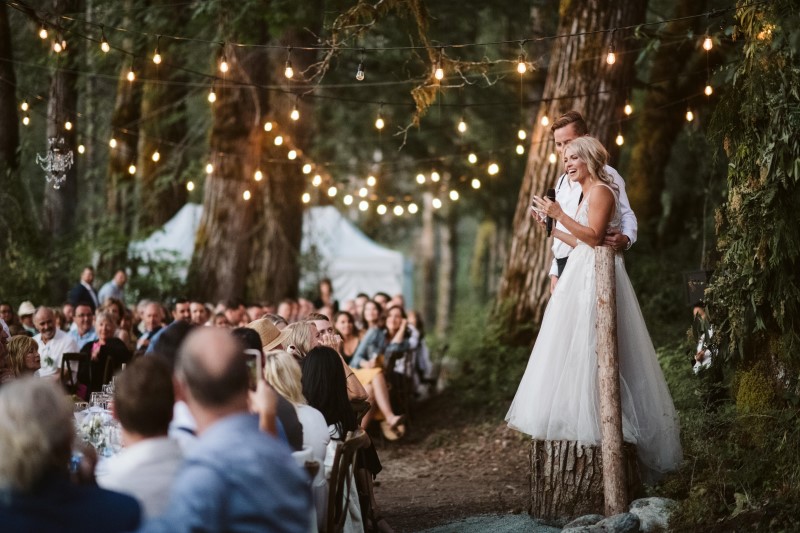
(567, 479)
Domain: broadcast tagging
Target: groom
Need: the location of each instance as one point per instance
(565, 129)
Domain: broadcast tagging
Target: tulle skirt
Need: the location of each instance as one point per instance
(558, 397)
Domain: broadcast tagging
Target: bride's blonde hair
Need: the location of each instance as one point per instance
(594, 154)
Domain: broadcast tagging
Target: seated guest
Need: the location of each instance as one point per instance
(198, 312)
(53, 344)
(152, 318)
(300, 338)
(382, 299)
(82, 329)
(36, 435)
(69, 315)
(106, 350)
(371, 316)
(7, 314)
(23, 356)
(236, 478)
(25, 313)
(283, 374)
(149, 461)
(118, 310)
(6, 374)
(277, 320)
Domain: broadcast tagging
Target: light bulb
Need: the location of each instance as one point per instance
(316, 181)
(278, 140)
(379, 123)
(131, 76)
(156, 156)
(112, 143)
(420, 178)
(438, 73)
(104, 46)
(611, 58)
(306, 198)
(412, 208)
(295, 114)
(436, 203)
(472, 158)
(371, 181)
(190, 186)
(435, 176)
(619, 140)
(552, 158)
(707, 43)
(348, 199)
(223, 66)
(26, 120)
(708, 90)
(132, 169)
(545, 121)
(363, 205)
(381, 209)
(209, 168)
(292, 154)
(363, 192)
(689, 115)
(307, 168)
(522, 68)
(454, 195)
(68, 125)
(398, 210)
(522, 135)
(462, 126)
(246, 195)
(520, 149)
(258, 175)
(81, 149)
(493, 169)
(332, 190)
(360, 72)
(212, 96)
(288, 71)
(268, 126)
(476, 183)
(628, 109)
(57, 48)
(24, 105)
(157, 58)
(43, 33)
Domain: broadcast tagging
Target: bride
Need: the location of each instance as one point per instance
(558, 397)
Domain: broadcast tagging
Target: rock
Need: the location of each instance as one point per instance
(585, 520)
(653, 513)
(621, 523)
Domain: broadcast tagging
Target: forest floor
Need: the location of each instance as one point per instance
(452, 464)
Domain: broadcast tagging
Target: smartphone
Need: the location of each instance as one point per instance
(256, 366)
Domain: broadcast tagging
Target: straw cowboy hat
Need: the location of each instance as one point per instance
(270, 335)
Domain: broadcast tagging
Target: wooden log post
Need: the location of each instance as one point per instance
(614, 489)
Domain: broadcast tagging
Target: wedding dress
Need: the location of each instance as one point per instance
(558, 397)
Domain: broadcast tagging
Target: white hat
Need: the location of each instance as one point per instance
(26, 308)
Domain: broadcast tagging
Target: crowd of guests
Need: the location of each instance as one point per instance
(211, 443)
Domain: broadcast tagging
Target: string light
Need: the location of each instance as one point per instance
(552, 158)
(462, 126)
(112, 142)
(57, 47)
(348, 199)
(381, 209)
(522, 67)
(454, 195)
(104, 46)
(363, 205)
(307, 168)
(371, 181)
(132, 169)
(398, 210)
(288, 71)
(412, 208)
(316, 181)
(81, 149)
(520, 149)
(522, 135)
(611, 57)
(223, 63)
(435, 177)
(209, 168)
(472, 158)
(43, 32)
(68, 125)
(620, 139)
(379, 123)
(360, 70)
(436, 203)
(708, 90)
(26, 120)
(190, 186)
(363, 192)
(493, 169)
(332, 190)
(278, 140)
(545, 121)
(689, 115)
(246, 195)
(306, 198)
(438, 71)
(292, 155)
(156, 156)
(420, 178)
(258, 176)
(24, 105)
(157, 57)
(476, 183)
(628, 109)
(130, 76)
(295, 114)
(708, 44)
(268, 126)
(212, 96)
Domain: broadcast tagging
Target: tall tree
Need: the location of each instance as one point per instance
(578, 78)
(9, 125)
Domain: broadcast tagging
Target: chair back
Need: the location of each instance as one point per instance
(341, 479)
(68, 377)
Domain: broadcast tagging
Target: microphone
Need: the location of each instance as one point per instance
(551, 193)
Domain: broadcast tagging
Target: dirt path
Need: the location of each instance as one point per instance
(453, 464)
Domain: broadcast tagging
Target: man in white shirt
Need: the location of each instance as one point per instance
(146, 466)
(53, 343)
(567, 128)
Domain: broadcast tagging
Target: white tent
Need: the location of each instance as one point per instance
(352, 261)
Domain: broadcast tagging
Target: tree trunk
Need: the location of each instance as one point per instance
(9, 121)
(577, 67)
(659, 123)
(427, 261)
(567, 479)
(448, 255)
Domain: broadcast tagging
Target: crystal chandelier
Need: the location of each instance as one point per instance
(56, 162)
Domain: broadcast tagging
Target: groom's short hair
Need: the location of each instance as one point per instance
(571, 117)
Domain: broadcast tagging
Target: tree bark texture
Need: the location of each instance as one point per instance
(426, 261)
(677, 73)
(448, 253)
(614, 489)
(578, 78)
(9, 120)
(567, 479)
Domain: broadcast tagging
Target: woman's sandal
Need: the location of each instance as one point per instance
(389, 433)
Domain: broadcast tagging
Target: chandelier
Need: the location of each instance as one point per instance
(56, 162)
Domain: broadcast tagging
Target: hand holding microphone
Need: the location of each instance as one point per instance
(547, 208)
(551, 195)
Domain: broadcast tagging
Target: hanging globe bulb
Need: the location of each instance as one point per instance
(43, 33)
(306, 198)
(132, 169)
(209, 168)
(552, 158)
(520, 149)
(307, 168)
(258, 176)
(104, 46)
(398, 210)
(348, 199)
(288, 71)
(707, 43)
(246, 195)
(212, 96)
(190, 186)
(436, 203)
(131, 76)
(545, 121)
(420, 178)
(522, 135)
(112, 142)
(155, 157)
(223, 66)
(472, 158)
(68, 125)
(26, 120)
(628, 109)
(689, 115)
(454, 195)
(81, 149)
(332, 190)
(438, 72)
(412, 208)
(435, 176)
(278, 140)
(462, 126)
(708, 90)
(493, 169)
(268, 126)
(295, 114)
(316, 181)
(379, 124)
(24, 105)
(363, 192)
(363, 205)
(57, 48)
(476, 183)
(157, 58)
(522, 67)
(619, 140)
(371, 181)
(381, 209)
(360, 72)
(292, 154)
(611, 57)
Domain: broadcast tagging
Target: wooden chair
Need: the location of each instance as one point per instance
(341, 479)
(360, 408)
(68, 378)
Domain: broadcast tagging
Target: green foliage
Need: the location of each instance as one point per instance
(756, 289)
(754, 391)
